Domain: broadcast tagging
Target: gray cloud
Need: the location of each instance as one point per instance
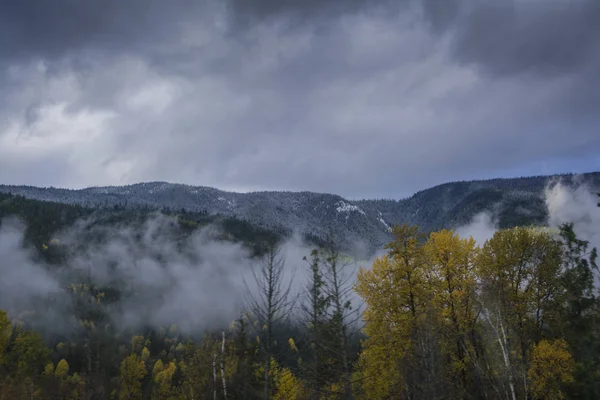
(577, 206)
(482, 227)
(23, 279)
(530, 37)
(361, 98)
(52, 29)
(164, 276)
(196, 282)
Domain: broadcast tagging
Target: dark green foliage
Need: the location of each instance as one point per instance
(42, 219)
(246, 384)
(523, 212)
(258, 239)
(315, 367)
(578, 318)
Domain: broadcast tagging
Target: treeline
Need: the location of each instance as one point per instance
(517, 318)
(43, 219)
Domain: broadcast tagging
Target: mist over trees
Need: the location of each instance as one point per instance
(121, 305)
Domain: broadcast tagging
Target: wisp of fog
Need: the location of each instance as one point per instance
(564, 204)
(195, 281)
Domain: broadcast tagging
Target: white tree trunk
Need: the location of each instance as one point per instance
(215, 376)
(223, 366)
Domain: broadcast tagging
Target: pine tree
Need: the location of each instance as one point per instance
(269, 305)
(314, 308)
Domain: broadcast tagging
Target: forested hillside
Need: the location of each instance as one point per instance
(43, 219)
(518, 201)
(124, 304)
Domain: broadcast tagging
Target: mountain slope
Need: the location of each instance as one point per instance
(42, 220)
(512, 201)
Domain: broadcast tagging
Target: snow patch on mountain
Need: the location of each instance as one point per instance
(380, 218)
(230, 203)
(343, 207)
(159, 188)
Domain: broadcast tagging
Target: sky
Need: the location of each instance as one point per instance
(362, 98)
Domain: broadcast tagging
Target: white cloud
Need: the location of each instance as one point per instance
(481, 228)
(577, 206)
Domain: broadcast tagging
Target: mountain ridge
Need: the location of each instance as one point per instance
(449, 205)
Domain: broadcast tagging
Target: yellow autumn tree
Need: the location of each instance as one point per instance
(145, 354)
(133, 371)
(163, 378)
(451, 261)
(60, 383)
(49, 369)
(519, 270)
(287, 386)
(61, 375)
(62, 369)
(397, 297)
(552, 367)
(30, 356)
(158, 367)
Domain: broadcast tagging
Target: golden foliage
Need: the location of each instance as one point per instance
(133, 371)
(62, 369)
(397, 294)
(552, 367)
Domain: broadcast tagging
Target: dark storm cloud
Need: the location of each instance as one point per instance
(268, 8)
(363, 98)
(502, 36)
(296, 12)
(442, 14)
(52, 28)
(549, 38)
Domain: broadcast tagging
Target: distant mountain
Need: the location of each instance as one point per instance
(516, 201)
